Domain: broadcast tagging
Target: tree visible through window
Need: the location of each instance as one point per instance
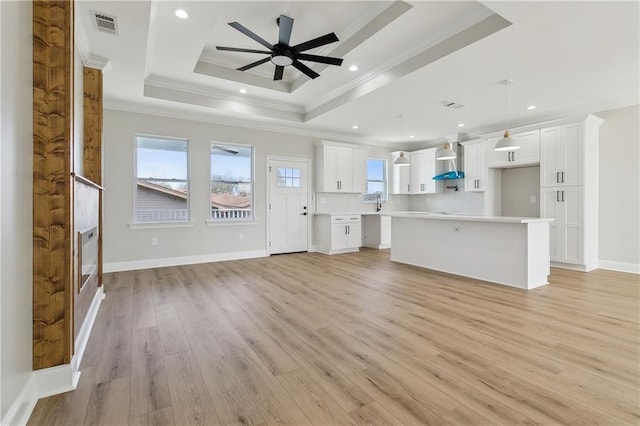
(162, 180)
(231, 182)
(376, 180)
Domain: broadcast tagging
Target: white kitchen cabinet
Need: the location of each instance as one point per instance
(338, 233)
(423, 168)
(561, 155)
(341, 168)
(569, 191)
(475, 165)
(376, 231)
(527, 155)
(400, 175)
(566, 234)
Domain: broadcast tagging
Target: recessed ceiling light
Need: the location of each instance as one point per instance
(243, 91)
(355, 126)
(353, 68)
(181, 13)
(460, 124)
(412, 137)
(530, 107)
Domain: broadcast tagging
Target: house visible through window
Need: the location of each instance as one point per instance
(162, 180)
(231, 182)
(376, 180)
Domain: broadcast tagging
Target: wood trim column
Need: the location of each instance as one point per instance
(53, 54)
(92, 83)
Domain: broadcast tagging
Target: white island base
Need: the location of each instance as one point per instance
(504, 250)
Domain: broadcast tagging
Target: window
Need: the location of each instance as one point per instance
(162, 180)
(231, 182)
(376, 180)
(288, 177)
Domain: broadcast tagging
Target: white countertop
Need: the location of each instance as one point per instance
(352, 213)
(465, 217)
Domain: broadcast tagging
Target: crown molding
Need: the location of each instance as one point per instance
(222, 95)
(98, 62)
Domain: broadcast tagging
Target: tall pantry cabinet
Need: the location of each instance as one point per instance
(569, 191)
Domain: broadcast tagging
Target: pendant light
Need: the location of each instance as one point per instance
(403, 160)
(507, 143)
(445, 153)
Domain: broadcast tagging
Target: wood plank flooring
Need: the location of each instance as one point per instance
(355, 339)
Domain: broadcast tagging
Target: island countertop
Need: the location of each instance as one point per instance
(467, 217)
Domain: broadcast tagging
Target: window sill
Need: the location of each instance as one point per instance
(228, 222)
(156, 225)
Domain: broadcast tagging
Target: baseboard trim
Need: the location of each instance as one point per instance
(612, 265)
(21, 409)
(54, 380)
(182, 260)
(85, 331)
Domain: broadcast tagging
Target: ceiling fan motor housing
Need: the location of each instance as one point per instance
(282, 55)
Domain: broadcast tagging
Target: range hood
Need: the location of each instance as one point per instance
(452, 168)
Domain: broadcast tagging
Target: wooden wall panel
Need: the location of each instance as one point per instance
(92, 83)
(52, 182)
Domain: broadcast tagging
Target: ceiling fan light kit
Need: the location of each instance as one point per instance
(282, 54)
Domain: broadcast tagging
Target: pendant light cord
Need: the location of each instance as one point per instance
(506, 111)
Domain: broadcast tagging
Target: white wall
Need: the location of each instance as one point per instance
(449, 201)
(519, 185)
(78, 111)
(619, 204)
(16, 205)
(125, 247)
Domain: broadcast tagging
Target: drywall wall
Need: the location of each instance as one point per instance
(619, 203)
(16, 217)
(521, 192)
(78, 112)
(123, 245)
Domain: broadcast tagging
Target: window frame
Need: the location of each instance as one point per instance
(244, 220)
(385, 181)
(135, 223)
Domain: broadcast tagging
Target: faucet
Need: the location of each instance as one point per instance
(378, 203)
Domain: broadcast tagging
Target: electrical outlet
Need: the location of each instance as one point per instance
(154, 241)
(533, 199)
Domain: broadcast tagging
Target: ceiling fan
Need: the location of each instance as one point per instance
(225, 149)
(281, 53)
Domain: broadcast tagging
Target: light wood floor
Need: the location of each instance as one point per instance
(355, 339)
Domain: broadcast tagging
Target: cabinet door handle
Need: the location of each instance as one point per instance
(563, 196)
(408, 188)
(557, 177)
(562, 177)
(557, 195)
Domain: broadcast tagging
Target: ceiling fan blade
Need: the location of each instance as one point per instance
(244, 30)
(305, 69)
(277, 75)
(238, 49)
(286, 25)
(316, 42)
(322, 59)
(221, 148)
(254, 64)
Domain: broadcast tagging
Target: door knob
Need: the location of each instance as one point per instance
(304, 214)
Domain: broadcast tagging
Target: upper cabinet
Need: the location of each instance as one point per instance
(341, 168)
(423, 168)
(400, 175)
(528, 154)
(475, 165)
(561, 155)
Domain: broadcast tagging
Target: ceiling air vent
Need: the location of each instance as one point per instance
(104, 22)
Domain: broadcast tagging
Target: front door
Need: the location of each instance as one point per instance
(288, 209)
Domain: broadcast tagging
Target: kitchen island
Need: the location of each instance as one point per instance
(512, 251)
